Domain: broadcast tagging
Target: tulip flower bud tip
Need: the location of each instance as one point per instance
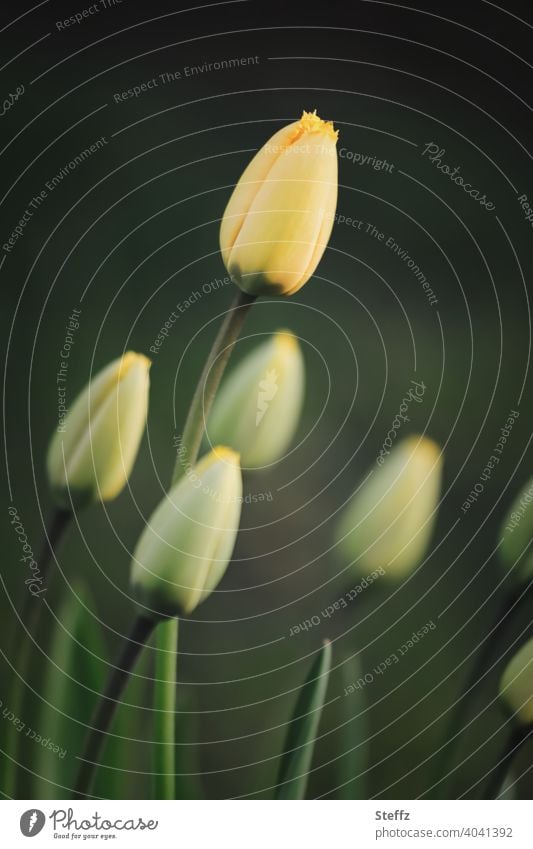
(425, 444)
(286, 340)
(310, 122)
(129, 359)
(224, 452)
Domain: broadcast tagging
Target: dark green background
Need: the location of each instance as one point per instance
(140, 220)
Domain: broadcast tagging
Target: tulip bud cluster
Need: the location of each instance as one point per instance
(273, 233)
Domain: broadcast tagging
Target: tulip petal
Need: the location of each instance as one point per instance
(258, 407)
(186, 545)
(280, 215)
(390, 520)
(91, 456)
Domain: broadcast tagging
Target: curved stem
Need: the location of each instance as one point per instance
(133, 645)
(210, 378)
(165, 709)
(21, 646)
(490, 647)
(518, 736)
(189, 447)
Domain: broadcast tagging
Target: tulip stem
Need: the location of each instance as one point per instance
(165, 709)
(32, 605)
(210, 378)
(21, 647)
(109, 701)
(515, 740)
(491, 645)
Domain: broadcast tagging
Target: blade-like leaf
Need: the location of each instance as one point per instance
(73, 680)
(300, 741)
(508, 788)
(188, 776)
(166, 637)
(126, 752)
(352, 734)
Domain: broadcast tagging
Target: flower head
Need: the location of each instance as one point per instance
(187, 543)
(279, 218)
(258, 407)
(92, 451)
(389, 521)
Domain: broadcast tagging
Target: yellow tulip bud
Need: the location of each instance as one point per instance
(186, 546)
(389, 522)
(517, 534)
(516, 685)
(279, 218)
(93, 449)
(258, 407)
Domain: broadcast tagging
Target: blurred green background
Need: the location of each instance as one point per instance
(133, 232)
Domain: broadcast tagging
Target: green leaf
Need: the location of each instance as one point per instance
(508, 788)
(352, 734)
(300, 741)
(164, 755)
(126, 752)
(74, 678)
(188, 774)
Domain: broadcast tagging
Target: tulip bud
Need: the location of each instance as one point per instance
(278, 221)
(186, 546)
(92, 452)
(258, 407)
(389, 521)
(516, 685)
(517, 533)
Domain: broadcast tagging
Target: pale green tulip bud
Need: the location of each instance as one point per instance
(258, 406)
(187, 544)
(516, 685)
(517, 532)
(278, 221)
(93, 449)
(389, 522)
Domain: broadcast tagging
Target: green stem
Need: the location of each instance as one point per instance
(191, 440)
(516, 739)
(210, 378)
(491, 647)
(118, 678)
(165, 709)
(21, 645)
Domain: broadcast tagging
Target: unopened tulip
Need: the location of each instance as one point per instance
(389, 521)
(186, 546)
(279, 218)
(516, 685)
(517, 534)
(258, 406)
(93, 449)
